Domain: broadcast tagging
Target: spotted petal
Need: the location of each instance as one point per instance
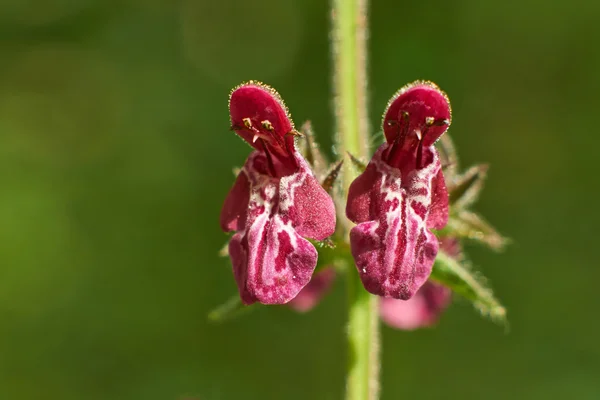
(392, 246)
(421, 311)
(272, 260)
(312, 293)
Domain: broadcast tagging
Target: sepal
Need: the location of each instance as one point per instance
(310, 149)
(471, 226)
(360, 166)
(231, 309)
(458, 276)
(328, 183)
(464, 189)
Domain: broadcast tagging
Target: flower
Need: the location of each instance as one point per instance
(275, 203)
(401, 195)
(427, 305)
(422, 310)
(312, 293)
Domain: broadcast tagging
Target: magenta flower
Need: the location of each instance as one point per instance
(427, 305)
(312, 293)
(275, 203)
(420, 311)
(401, 195)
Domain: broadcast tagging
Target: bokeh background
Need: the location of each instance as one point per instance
(115, 156)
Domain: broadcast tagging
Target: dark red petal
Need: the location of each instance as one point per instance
(311, 209)
(238, 252)
(235, 208)
(312, 293)
(438, 210)
(278, 262)
(271, 260)
(395, 262)
(393, 249)
(420, 100)
(361, 195)
(422, 310)
(259, 102)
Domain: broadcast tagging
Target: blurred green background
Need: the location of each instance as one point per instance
(115, 157)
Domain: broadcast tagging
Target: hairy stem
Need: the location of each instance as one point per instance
(350, 83)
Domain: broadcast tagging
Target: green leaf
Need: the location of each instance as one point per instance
(376, 139)
(329, 181)
(361, 166)
(310, 149)
(232, 308)
(224, 252)
(469, 225)
(459, 277)
(448, 156)
(464, 189)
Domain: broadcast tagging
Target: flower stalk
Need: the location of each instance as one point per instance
(350, 84)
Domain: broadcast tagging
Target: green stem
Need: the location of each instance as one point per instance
(362, 381)
(350, 83)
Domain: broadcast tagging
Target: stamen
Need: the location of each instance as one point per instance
(430, 121)
(247, 123)
(266, 124)
(402, 131)
(420, 148)
(405, 118)
(295, 133)
(419, 155)
(269, 159)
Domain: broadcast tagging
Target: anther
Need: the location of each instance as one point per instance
(266, 124)
(247, 123)
(430, 121)
(295, 133)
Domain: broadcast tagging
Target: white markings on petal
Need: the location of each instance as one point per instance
(289, 184)
(271, 199)
(399, 247)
